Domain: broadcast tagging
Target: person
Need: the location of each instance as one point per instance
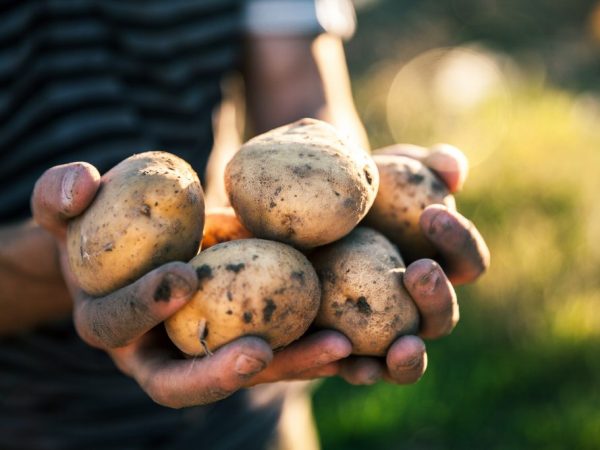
(97, 81)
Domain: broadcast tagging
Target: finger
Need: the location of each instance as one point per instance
(328, 370)
(464, 252)
(434, 296)
(63, 192)
(305, 355)
(178, 383)
(448, 162)
(406, 360)
(412, 151)
(361, 370)
(124, 315)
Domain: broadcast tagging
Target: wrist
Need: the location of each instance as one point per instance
(32, 289)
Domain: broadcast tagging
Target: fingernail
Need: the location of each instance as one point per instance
(172, 286)
(424, 279)
(67, 185)
(409, 364)
(326, 358)
(248, 365)
(440, 223)
(429, 281)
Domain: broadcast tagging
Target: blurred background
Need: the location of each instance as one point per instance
(516, 85)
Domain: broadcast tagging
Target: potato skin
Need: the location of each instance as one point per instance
(148, 211)
(363, 295)
(247, 287)
(222, 225)
(301, 184)
(406, 188)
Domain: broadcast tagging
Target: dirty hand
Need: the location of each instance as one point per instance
(127, 322)
(463, 257)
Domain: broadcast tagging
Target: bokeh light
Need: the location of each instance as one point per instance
(455, 95)
(516, 89)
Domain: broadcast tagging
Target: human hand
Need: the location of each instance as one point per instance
(462, 251)
(464, 256)
(127, 323)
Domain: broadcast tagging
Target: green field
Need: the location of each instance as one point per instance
(522, 369)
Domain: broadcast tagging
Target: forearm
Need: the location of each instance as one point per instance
(32, 290)
(289, 78)
(227, 143)
(286, 79)
(339, 108)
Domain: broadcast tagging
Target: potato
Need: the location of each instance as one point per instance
(222, 225)
(363, 295)
(148, 211)
(247, 287)
(406, 188)
(301, 184)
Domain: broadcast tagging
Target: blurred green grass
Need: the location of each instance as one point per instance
(522, 369)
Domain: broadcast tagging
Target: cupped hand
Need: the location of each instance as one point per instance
(463, 257)
(406, 359)
(462, 251)
(127, 323)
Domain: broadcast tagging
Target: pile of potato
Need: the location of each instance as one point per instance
(289, 253)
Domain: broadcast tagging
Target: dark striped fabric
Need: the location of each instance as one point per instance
(97, 81)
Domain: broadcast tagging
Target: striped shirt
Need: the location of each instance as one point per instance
(98, 80)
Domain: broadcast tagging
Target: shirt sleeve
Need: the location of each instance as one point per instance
(300, 17)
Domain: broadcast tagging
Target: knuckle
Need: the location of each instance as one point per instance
(95, 330)
(89, 335)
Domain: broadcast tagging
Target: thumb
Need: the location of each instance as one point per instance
(63, 192)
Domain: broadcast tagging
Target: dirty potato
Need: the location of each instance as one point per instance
(406, 188)
(363, 295)
(222, 225)
(148, 211)
(247, 287)
(301, 184)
